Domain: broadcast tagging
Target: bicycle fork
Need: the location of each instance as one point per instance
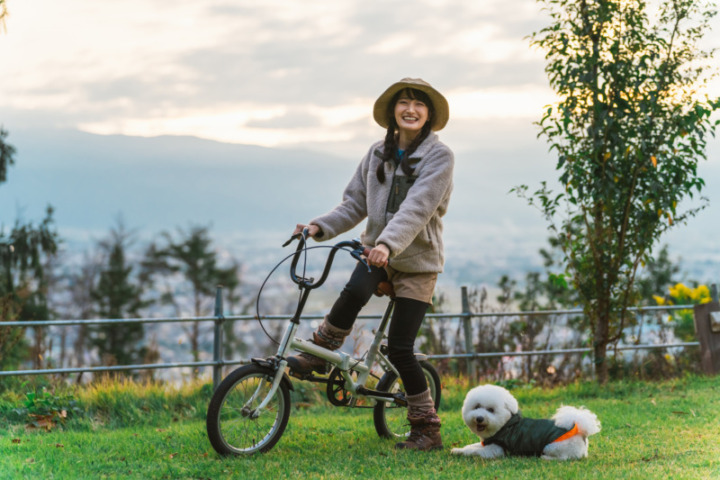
(283, 348)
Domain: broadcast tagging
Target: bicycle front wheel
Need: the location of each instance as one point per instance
(234, 425)
(390, 418)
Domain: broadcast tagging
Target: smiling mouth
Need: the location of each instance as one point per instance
(480, 427)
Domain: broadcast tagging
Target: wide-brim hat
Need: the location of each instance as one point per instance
(440, 104)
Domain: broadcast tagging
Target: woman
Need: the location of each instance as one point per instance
(403, 187)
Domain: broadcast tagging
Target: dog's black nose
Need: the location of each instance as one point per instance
(479, 419)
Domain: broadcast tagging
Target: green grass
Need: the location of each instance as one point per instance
(650, 430)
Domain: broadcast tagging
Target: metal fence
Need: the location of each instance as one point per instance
(218, 362)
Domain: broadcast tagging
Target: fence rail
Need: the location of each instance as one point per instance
(219, 319)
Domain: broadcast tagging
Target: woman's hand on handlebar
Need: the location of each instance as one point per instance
(378, 256)
(312, 229)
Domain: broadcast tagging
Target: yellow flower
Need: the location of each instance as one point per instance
(659, 300)
(701, 294)
(680, 293)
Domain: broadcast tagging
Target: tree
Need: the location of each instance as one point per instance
(23, 252)
(3, 14)
(79, 287)
(193, 257)
(118, 294)
(23, 286)
(7, 152)
(629, 130)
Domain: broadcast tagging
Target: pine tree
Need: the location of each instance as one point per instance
(118, 294)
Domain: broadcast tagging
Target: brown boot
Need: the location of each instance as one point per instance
(326, 336)
(424, 424)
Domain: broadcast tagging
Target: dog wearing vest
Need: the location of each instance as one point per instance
(492, 413)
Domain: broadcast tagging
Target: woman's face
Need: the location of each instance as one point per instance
(410, 114)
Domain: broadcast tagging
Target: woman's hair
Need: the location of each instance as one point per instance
(391, 140)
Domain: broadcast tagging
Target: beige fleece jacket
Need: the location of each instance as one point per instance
(404, 213)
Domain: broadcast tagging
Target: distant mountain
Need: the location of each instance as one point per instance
(253, 196)
(163, 182)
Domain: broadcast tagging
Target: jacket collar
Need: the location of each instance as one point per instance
(419, 153)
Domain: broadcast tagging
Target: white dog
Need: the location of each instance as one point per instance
(491, 412)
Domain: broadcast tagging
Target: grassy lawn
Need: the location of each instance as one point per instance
(650, 430)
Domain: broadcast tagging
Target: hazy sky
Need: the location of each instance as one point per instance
(271, 72)
(287, 73)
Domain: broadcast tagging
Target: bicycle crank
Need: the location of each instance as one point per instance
(336, 392)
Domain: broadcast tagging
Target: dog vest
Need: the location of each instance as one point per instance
(528, 436)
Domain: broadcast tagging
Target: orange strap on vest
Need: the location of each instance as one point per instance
(570, 433)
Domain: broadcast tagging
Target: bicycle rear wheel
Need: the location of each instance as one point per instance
(234, 426)
(390, 418)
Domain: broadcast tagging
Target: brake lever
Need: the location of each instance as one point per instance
(358, 255)
(294, 237)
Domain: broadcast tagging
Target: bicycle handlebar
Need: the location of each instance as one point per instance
(358, 251)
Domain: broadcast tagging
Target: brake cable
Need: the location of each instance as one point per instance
(258, 317)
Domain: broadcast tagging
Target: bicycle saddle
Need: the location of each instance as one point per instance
(385, 288)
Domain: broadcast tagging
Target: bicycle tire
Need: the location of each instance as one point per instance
(389, 418)
(230, 428)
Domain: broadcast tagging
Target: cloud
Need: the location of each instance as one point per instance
(276, 72)
(296, 118)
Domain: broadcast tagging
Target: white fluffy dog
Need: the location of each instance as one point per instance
(491, 412)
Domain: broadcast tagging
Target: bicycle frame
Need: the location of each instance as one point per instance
(343, 361)
(250, 408)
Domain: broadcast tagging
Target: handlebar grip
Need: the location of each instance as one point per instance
(366, 251)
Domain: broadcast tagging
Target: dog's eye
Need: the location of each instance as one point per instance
(491, 410)
(478, 406)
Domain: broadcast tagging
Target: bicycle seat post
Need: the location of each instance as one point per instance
(380, 333)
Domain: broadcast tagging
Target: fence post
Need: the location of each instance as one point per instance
(218, 338)
(467, 330)
(707, 329)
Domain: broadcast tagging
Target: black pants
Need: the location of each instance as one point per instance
(404, 324)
